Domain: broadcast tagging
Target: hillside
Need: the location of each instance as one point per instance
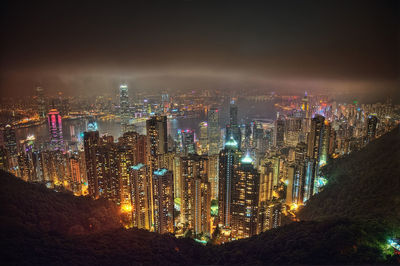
(37, 208)
(348, 223)
(363, 185)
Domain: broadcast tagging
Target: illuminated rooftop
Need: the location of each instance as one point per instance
(247, 159)
(160, 172)
(137, 167)
(231, 143)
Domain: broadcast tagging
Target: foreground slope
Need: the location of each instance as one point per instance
(362, 185)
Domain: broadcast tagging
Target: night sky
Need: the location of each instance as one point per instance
(278, 45)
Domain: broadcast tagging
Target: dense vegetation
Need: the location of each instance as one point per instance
(349, 222)
(363, 185)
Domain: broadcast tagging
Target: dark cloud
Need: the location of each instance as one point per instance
(288, 44)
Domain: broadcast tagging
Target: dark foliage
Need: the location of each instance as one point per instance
(363, 185)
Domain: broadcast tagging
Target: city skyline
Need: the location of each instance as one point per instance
(200, 132)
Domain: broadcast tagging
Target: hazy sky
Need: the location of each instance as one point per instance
(296, 45)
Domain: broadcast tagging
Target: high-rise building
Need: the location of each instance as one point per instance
(55, 129)
(126, 159)
(124, 107)
(279, 132)
(203, 140)
(213, 172)
(325, 143)
(194, 182)
(228, 160)
(188, 142)
(292, 131)
(10, 141)
(107, 171)
(269, 216)
(314, 138)
(76, 175)
(371, 127)
(233, 129)
(201, 208)
(141, 204)
(90, 142)
(214, 134)
(315, 141)
(40, 102)
(157, 141)
(163, 200)
(245, 199)
(305, 106)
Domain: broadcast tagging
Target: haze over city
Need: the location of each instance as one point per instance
(76, 47)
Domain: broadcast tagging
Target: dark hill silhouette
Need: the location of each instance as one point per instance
(342, 224)
(364, 184)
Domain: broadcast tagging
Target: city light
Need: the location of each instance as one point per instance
(126, 208)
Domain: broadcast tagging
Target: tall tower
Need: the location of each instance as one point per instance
(163, 200)
(188, 142)
(228, 159)
(157, 141)
(203, 140)
(371, 127)
(194, 182)
(40, 102)
(90, 142)
(315, 140)
(55, 129)
(245, 199)
(214, 135)
(233, 128)
(279, 132)
(10, 140)
(124, 107)
(141, 196)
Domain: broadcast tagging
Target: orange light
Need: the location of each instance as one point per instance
(126, 208)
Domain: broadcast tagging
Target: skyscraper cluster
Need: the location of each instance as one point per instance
(216, 181)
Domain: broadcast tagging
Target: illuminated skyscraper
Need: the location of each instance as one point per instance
(214, 134)
(245, 199)
(126, 159)
(157, 141)
(137, 143)
(90, 142)
(40, 102)
(201, 208)
(188, 142)
(76, 177)
(55, 128)
(325, 142)
(107, 171)
(228, 159)
(279, 132)
(315, 140)
(124, 107)
(203, 140)
(233, 128)
(305, 106)
(10, 140)
(194, 180)
(140, 188)
(163, 200)
(213, 172)
(371, 127)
